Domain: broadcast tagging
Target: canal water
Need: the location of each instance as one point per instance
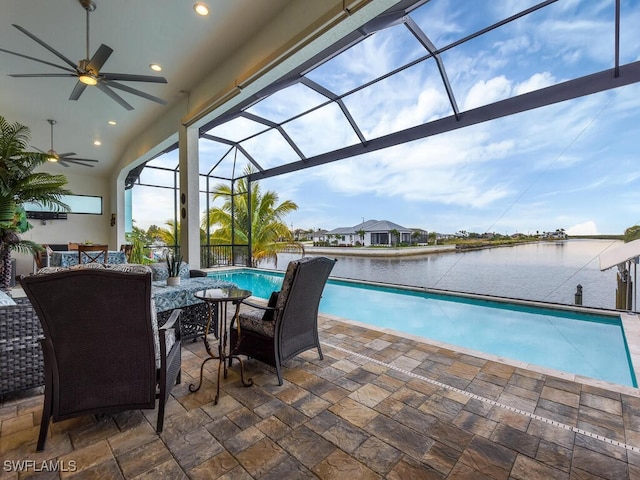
(543, 271)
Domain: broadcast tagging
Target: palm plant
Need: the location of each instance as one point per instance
(395, 236)
(269, 233)
(18, 185)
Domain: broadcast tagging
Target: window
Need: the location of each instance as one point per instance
(85, 204)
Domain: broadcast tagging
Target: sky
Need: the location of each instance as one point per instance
(573, 165)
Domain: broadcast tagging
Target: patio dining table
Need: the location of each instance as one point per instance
(70, 258)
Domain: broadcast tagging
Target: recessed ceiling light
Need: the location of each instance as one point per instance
(97, 143)
(201, 9)
(155, 67)
(112, 122)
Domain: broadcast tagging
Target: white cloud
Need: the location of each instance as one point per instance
(483, 93)
(535, 82)
(586, 228)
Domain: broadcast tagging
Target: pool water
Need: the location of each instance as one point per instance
(586, 344)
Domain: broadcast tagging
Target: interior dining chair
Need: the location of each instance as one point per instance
(92, 253)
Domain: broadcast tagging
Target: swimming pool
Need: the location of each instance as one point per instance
(587, 344)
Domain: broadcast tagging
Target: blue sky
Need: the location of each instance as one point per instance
(573, 165)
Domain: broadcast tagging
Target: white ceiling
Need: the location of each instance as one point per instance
(140, 32)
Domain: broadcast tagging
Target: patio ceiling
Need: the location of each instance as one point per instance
(401, 77)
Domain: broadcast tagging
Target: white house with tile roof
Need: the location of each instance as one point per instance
(370, 233)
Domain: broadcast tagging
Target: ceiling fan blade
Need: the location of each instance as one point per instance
(77, 90)
(103, 87)
(41, 75)
(126, 77)
(68, 154)
(48, 47)
(73, 160)
(98, 59)
(36, 60)
(82, 160)
(136, 92)
(63, 163)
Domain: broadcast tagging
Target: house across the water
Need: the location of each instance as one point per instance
(371, 233)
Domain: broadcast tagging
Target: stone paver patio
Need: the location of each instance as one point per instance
(377, 406)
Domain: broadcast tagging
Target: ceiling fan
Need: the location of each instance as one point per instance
(87, 71)
(64, 159)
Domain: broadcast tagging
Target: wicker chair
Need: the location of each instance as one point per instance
(21, 364)
(287, 326)
(100, 351)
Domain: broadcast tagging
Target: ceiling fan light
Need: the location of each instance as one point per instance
(201, 9)
(52, 156)
(88, 79)
(155, 67)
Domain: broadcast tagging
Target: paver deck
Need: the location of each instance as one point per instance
(378, 406)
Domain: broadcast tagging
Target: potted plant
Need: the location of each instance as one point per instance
(19, 184)
(173, 267)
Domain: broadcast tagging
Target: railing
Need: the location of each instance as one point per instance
(223, 255)
(213, 255)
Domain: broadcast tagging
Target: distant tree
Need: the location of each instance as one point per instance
(361, 234)
(395, 236)
(171, 236)
(632, 233)
(153, 232)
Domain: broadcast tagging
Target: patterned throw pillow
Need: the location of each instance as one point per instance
(129, 268)
(5, 299)
(85, 266)
(48, 270)
(159, 271)
(183, 272)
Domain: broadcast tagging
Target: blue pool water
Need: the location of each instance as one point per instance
(585, 344)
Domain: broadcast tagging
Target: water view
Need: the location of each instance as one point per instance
(544, 271)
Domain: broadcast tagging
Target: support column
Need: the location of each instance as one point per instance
(189, 201)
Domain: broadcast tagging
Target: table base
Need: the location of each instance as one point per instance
(222, 355)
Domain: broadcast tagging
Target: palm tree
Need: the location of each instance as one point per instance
(18, 185)
(395, 236)
(269, 233)
(171, 236)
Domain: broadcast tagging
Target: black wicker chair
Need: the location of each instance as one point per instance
(287, 326)
(100, 351)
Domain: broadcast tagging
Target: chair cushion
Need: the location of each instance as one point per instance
(170, 335)
(269, 314)
(6, 299)
(251, 320)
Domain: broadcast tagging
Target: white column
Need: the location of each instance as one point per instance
(189, 201)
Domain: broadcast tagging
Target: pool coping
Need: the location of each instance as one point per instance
(629, 321)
